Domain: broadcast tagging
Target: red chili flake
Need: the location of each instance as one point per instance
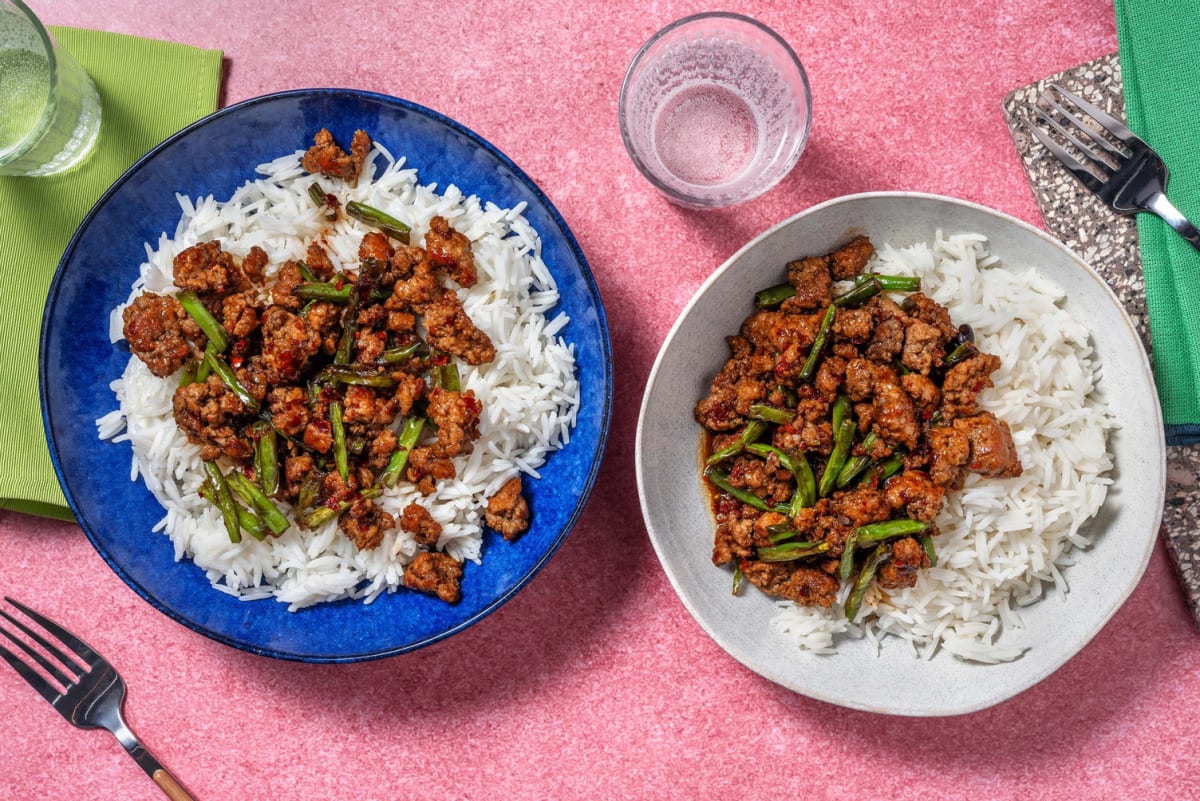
(331, 200)
(236, 361)
(473, 405)
(341, 282)
(439, 359)
(381, 334)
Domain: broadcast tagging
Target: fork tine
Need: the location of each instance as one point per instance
(30, 675)
(65, 637)
(46, 664)
(67, 661)
(1086, 150)
(1070, 162)
(1106, 120)
(1074, 120)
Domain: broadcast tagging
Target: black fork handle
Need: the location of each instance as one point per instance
(1165, 209)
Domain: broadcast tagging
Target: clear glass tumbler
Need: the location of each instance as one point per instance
(49, 108)
(715, 109)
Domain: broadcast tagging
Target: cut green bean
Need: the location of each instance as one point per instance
(891, 283)
(772, 296)
(859, 295)
(889, 529)
(843, 440)
(856, 464)
(882, 471)
(218, 366)
(379, 219)
(399, 460)
(212, 329)
(791, 550)
(361, 375)
(253, 497)
(737, 578)
(266, 457)
(814, 354)
(398, 355)
(880, 555)
(339, 440)
(927, 543)
(846, 565)
(320, 290)
(753, 430)
(771, 414)
(797, 465)
(961, 353)
(188, 374)
(721, 482)
(223, 499)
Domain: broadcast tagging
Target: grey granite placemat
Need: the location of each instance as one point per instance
(1108, 242)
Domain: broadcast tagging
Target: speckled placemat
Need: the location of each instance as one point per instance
(1108, 242)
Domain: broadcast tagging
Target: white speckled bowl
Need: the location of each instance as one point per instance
(895, 682)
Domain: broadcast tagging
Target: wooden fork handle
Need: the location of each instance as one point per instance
(167, 783)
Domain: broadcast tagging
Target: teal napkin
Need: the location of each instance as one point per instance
(1160, 66)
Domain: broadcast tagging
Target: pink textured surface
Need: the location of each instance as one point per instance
(594, 682)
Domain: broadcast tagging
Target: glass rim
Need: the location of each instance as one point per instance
(34, 134)
(623, 95)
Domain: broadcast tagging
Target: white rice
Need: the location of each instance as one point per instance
(529, 392)
(1003, 543)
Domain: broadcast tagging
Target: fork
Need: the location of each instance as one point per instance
(1126, 173)
(94, 692)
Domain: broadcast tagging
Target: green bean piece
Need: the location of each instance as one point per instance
(772, 296)
(770, 414)
(889, 529)
(339, 440)
(212, 329)
(323, 514)
(843, 440)
(891, 283)
(814, 355)
(399, 460)
(859, 295)
(362, 375)
(753, 430)
(251, 524)
(737, 579)
(223, 499)
(856, 464)
(188, 374)
(961, 353)
(309, 490)
(927, 543)
(797, 465)
(379, 219)
(780, 533)
(363, 284)
(882, 471)
(791, 550)
(880, 555)
(204, 367)
(320, 290)
(841, 410)
(398, 355)
(253, 497)
(448, 377)
(218, 366)
(721, 482)
(266, 457)
(846, 565)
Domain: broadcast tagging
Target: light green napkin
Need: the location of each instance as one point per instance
(148, 91)
(1160, 67)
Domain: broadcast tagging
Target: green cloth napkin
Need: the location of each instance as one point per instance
(148, 91)
(1160, 67)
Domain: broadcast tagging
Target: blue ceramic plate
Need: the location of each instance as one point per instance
(77, 362)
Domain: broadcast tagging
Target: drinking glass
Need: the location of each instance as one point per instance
(49, 109)
(715, 109)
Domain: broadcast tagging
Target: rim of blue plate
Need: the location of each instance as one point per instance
(585, 273)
